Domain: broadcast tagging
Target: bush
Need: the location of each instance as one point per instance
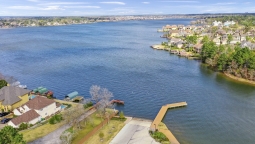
(23, 126)
(119, 119)
(87, 105)
(55, 119)
(122, 116)
(159, 136)
(101, 135)
(3, 83)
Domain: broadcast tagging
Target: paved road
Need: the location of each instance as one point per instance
(54, 137)
(135, 131)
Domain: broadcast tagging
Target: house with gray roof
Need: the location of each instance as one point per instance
(12, 97)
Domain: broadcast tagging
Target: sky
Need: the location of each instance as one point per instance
(121, 7)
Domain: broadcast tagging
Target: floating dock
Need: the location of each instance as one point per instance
(161, 115)
(117, 101)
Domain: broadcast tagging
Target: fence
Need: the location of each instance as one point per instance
(95, 130)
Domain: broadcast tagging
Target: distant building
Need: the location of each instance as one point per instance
(228, 23)
(217, 23)
(247, 44)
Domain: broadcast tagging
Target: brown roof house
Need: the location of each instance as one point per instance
(198, 48)
(12, 97)
(34, 110)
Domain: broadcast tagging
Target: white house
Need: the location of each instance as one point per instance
(42, 106)
(30, 117)
(228, 23)
(217, 23)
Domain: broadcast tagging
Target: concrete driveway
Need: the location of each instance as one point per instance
(135, 132)
(54, 137)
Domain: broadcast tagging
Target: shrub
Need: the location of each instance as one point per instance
(55, 119)
(101, 135)
(87, 105)
(159, 136)
(119, 119)
(23, 126)
(3, 83)
(122, 116)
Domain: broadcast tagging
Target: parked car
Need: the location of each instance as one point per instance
(5, 120)
(4, 114)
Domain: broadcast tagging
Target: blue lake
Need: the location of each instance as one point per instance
(117, 56)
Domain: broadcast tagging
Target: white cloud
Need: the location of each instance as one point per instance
(146, 2)
(33, 0)
(228, 3)
(182, 1)
(63, 3)
(23, 7)
(52, 8)
(117, 3)
(36, 8)
(91, 7)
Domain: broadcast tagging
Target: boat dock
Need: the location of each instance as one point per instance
(161, 115)
(117, 101)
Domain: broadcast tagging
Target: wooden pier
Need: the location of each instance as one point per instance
(161, 115)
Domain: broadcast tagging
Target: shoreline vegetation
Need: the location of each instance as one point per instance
(13, 22)
(225, 44)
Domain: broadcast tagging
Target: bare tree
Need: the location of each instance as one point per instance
(66, 137)
(72, 115)
(95, 93)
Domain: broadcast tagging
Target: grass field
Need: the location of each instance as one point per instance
(38, 132)
(86, 128)
(109, 131)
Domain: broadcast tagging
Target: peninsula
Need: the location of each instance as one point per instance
(225, 44)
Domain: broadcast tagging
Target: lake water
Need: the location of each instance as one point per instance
(117, 56)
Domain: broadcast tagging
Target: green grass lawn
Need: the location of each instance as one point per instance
(38, 132)
(86, 128)
(109, 131)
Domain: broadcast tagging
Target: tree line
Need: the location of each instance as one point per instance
(237, 61)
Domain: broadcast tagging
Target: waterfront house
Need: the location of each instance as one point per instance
(188, 27)
(217, 23)
(12, 97)
(224, 41)
(42, 106)
(228, 23)
(167, 28)
(174, 27)
(181, 27)
(198, 48)
(247, 44)
(183, 53)
(174, 33)
(30, 117)
(236, 39)
(173, 41)
(243, 37)
(179, 44)
(217, 41)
